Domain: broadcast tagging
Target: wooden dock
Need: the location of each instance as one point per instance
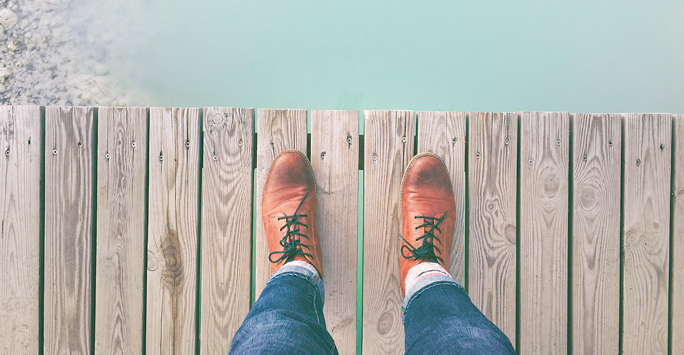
(138, 231)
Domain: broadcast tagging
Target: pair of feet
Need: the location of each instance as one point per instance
(427, 204)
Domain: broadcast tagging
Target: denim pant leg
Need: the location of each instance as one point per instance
(439, 318)
(287, 318)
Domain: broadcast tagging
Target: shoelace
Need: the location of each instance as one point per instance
(427, 250)
(291, 242)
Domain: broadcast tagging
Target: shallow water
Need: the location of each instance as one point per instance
(602, 56)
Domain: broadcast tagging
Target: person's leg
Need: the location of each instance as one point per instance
(439, 318)
(288, 316)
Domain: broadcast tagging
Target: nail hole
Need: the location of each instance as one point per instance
(558, 142)
(54, 152)
(240, 143)
(375, 157)
(610, 144)
(529, 162)
(403, 139)
(107, 156)
(662, 146)
(133, 144)
(323, 155)
(79, 144)
(7, 152)
(638, 162)
(29, 141)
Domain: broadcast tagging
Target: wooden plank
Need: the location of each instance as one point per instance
(20, 168)
(388, 148)
(172, 230)
(646, 216)
(68, 228)
(677, 310)
(595, 224)
(492, 169)
(226, 225)
(443, 133)
(335, 162)
(121, 171)
(278, 130)
(544, 150)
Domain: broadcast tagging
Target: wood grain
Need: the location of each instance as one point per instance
(646, 214)
(20, 169)
(172, 230)
(226, 225)
(388, 148)
(335, 161)
(443, 133)
(677, 309)
(492, 158)
(69, 207)
(278, 130)
(544, 150)
(121, 172)
(595, 224)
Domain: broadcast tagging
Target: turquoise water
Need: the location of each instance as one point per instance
(582, 56)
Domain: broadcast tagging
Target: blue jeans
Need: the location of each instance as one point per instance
(438, 316)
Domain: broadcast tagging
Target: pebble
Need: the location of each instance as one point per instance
(8, 18)
(15, 45)
(4, 74)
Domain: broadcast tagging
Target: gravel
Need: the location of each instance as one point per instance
(50, 56)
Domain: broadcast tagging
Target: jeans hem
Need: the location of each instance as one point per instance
(422, 286)
(313, 278)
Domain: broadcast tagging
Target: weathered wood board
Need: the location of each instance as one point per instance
(335, 161)
(677, 311)
(278, 130)
(226, 225)
(543, 237)
(597, 145)
(492, 168)
(389, 138)
(120, 269)
(444, 133)
(69, 175)
(20, 203)
(646, 237)
(172, 230)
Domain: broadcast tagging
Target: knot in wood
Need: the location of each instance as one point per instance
(385, 323)
(172, 273)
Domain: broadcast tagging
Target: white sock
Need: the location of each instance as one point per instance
(303, 264)
(422, 271)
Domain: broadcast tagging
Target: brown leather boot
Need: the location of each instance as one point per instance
(289, 212)
(428, 212)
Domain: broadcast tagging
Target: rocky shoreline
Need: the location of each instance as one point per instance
(50, 57)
